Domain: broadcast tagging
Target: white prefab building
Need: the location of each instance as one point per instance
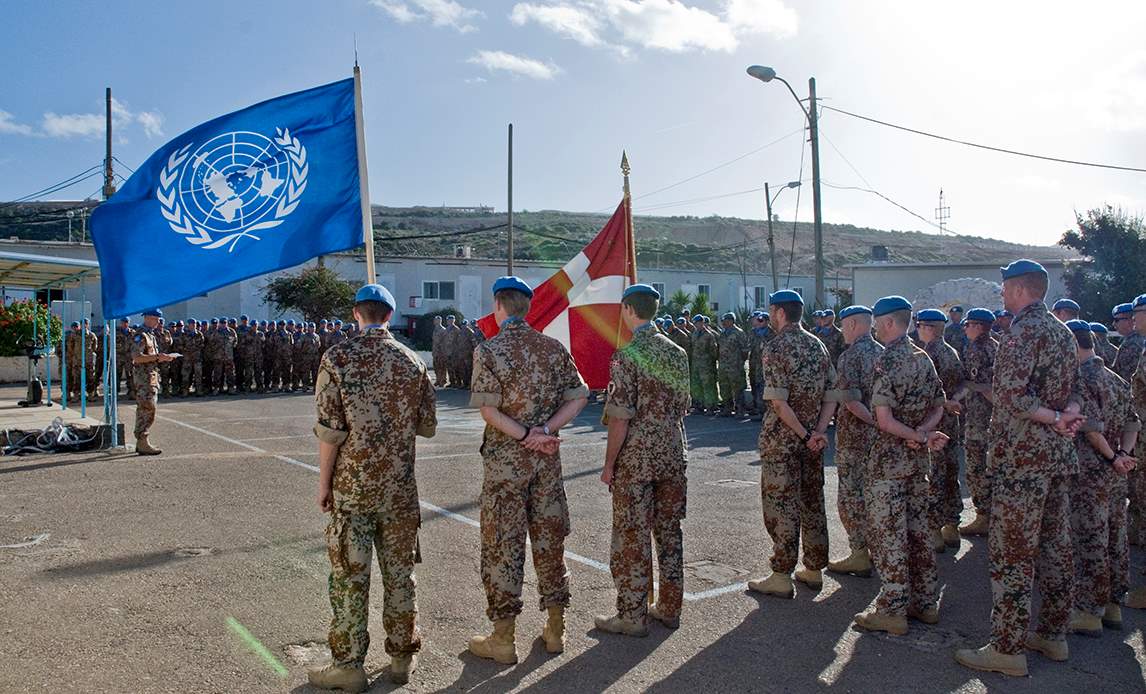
(875, 280)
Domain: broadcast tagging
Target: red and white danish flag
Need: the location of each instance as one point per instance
(580, 305)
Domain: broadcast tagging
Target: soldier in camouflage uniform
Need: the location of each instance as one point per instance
(832, 336)
(192, 366)
(454, 341)
(1136, 481)
(855, 434)
(438, 350)
(954, 334)
(1066, 310)
(800, 379)
(1098, 492)
(1130, 350)
(284, 355)
(703, 367)
(164, 340)
(908, 400)
(467, 341)
(679, 334)
(732, 349)
(123, 367)
(645, 463)
(176, 371)
(73, 353)
(270, 356)
(311, 349)
(946, 497)
(527, 387)
(373, 397)
(223, 371)
(145, 359)
(211, 348)
(243, 376)
(761, 335)
(979, 370)
(251, 345)
(1102, 346)
(1032, 458)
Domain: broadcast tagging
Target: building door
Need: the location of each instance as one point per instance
(469, 296)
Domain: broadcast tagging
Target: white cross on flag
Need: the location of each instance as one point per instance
(580, 305)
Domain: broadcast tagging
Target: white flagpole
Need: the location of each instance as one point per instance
(363, 179)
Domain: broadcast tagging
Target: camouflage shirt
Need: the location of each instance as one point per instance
(1104, 349)
(192, 346)
(1129, 353)
(732, 349)
(950, 370)
(979, 368)
(758, 339)
(680, 338)
(648, 385)
(1035, 366)
(907, 383)
(833, 339)
(1138, 388)
(438, 340)
(797, 369)
(704, 350)
(956, 336)
(854, 380)
(373, 396)
(144, 344)
(1108, 407)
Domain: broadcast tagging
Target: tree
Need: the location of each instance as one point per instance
(678, 302)
(1113, 242)
(316, 293)
(700, 305)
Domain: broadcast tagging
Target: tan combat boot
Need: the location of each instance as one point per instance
(874, 620)
(499, 645)
(937, 543)
(858, 563)
(1136, 599)
(619, 625)
(348, 678)
(950, 535)
(144, 447)
(1057, 651)
(656, 613)
(401, 666)
(977, 527)
(926, 615)
(813, 578)
(1112, 617)
(554, 632)
(1085, 623)
(987, 659)
(777, 584)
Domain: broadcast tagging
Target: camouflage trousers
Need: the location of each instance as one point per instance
(898, 540)
(732, 385)
(1136, 488)
(978, 475)
(123, 369)
(850, 467)
(468, 370)
(441, 370)
(146, 400)
(457, 379)
(251, 373)
(758, 396)
(1098, 526)
(792, 494)
(512, 510)
(642, 511)
(351, 539)
(1029, 535)
(223, 374)
(280, 374)
(946, 497)
(192, 375)
(706, 395)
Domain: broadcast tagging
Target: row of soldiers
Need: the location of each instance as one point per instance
(452, 346)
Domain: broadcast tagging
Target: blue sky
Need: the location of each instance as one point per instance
(582, 79)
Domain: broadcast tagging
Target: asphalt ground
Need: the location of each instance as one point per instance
(204, 569)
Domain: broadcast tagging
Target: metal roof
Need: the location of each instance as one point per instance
(39, 271)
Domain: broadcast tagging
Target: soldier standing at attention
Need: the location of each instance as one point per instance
(855, 434)
(373, 398)
(946, 498)
(211, 349)
(908, 399)
(761, 335)
(1066, 310)
(178, 335)
(645, 462)
(438, 349)
(230, 341)
(732, 348)
(679, 334)
(164, 340)
(1137, 478)
(832, 337)
(799, 378)
(453, 343)
(192, 359)
(704, 352)
(284, 355)
(1037, 407)
(1130, 351)
(953, 334)
(123, 368)
(979, 370)
(466, 343)
(145, 360)
(1102, 346)
(242, 362)
(527, 387)
(1098, 493)
(337, 335)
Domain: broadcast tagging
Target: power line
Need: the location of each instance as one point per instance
(796, 216)
(678, 203)
(439, 235)
(56, 187)
(1002, 150)
(116, 159)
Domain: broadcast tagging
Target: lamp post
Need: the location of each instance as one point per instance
(769, 200)
(767, 74)
(71, 214)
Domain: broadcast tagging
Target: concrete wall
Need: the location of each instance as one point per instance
(879, 280)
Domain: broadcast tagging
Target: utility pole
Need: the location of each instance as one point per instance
(818, 222)
(771, 240)
(108, 174)
(509, 207)
(942, 213)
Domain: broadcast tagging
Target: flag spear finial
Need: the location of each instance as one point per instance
(625, 169)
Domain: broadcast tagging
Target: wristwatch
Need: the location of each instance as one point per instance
(546, 430)
(1057, 417)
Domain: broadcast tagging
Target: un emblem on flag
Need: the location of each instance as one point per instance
(221, 191)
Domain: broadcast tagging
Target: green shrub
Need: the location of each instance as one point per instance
(16, 326)
(424, 326)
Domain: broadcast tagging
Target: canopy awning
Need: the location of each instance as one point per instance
(40, 271)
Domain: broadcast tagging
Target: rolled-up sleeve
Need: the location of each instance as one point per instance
(575, 387)
(428, 408)
(883, 392)
(331, 426)
(485, 390)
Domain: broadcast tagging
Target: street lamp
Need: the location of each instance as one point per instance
(767, 74)
(769, 200)
(71, 214)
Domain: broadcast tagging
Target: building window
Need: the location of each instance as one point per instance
(660, 287)
(760, 296)
(704, 289)
(798, 290)
(441, 291)
(429, 290)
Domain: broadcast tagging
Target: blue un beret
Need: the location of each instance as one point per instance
(631, 291)
(984, 315)
(829, 312)
(1140, 302)
(681, 320)
(729, 315)
(1069, 304)
(1120, 309)
(375, 292)
(1078, 326)
(244, 317)
(1004, 313)
(75, 324)
(930, 315)
(1099, 328)
(290, 322)
(698, 317)
(1022, 267)
(785, 296)
(854, 311)
(215, 321)
(890, 304)
(158, 313)
(515, 283)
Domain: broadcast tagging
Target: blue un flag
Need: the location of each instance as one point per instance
(254, 191)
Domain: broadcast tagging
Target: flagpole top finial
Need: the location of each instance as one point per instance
(625, 168)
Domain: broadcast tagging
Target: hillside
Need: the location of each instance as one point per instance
(679, 242)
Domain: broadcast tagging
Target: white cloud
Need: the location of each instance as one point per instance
(442, 13)
(8, 126)
(667, 25)
(72, 124)
(152, 122)
(476, 80)
(515, 64)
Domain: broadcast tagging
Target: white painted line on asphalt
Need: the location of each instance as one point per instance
(280, 438)
(593, 563)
